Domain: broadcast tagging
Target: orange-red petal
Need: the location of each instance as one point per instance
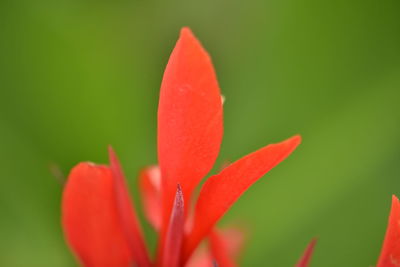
(90, 218)
(390, 253)
(189, 119)
(222, 190)
(306, 257)
(150, 189)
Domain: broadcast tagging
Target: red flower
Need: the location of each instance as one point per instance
(98, 217)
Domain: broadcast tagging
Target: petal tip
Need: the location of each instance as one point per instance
(179, 196)
(85, 165)
(111, 152)
(188, 39)
(186, 31)
(297, 138)
(307, 254)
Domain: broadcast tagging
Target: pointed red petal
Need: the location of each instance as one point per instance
(175, 232)
(306, 257)
(222, 190)
(127, 214)
(390, 254)
(150, 189)
(189, 119)
(90, 218)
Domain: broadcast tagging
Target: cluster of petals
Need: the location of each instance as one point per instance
(99, 218)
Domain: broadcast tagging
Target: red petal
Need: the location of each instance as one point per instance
(90, 218)
(233, 239)
(150, 188)
(219, 250)
(201, 258)
(222, 190)
(127, 214)
(390, 254)
(225, 243)
(306, 257)
(189, 119)
(175, 232)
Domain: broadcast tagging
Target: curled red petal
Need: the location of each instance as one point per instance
(306, 257)
(150, 189)
(189, 119)
(220, 191)
(390, 253)
(90, 218)
(175, 232)
(127, 214)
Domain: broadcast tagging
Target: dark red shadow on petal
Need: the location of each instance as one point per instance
(174, 235)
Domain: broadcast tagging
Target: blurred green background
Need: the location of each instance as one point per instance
(79, 75)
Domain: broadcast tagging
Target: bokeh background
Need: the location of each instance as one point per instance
(79, 75)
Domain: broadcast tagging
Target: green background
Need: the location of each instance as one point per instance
(79, 75)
